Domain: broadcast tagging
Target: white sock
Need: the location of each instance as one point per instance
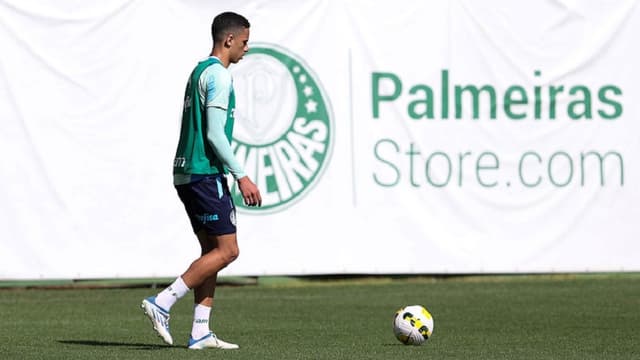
(200, 327)
(169, 296)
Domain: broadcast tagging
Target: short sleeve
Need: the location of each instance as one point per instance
(215, 86)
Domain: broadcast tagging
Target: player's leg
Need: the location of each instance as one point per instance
(211, 211)
(204, 293)
(220, 251)
(208, 265)
(203, 305)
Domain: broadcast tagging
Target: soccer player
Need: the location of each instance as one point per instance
(202, 159)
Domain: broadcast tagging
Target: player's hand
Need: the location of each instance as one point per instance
(249, 191)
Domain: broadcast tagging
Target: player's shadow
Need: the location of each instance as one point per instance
(133, 346)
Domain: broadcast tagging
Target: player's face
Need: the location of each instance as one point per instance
(239, 45)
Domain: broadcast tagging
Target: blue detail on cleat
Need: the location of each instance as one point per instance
(159, 318)
(210, 341)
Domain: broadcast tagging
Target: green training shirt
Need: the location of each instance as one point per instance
(195, 155)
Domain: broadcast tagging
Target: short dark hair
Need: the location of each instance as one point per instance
(225, 23)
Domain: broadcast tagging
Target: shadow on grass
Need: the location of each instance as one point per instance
(134, 346)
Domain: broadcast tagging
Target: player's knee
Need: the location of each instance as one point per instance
(231, 254)
(234, 254)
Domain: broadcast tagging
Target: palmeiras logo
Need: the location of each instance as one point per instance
(283, 132)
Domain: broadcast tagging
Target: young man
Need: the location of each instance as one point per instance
(203, 158)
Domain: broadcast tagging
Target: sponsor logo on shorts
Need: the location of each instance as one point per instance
(205, 218)
(284, 131)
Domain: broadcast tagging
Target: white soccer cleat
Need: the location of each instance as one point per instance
(159, 318)
(210, 341)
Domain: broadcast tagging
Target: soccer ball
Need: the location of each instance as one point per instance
(412, 325)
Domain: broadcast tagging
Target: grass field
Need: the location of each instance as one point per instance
(504, 317)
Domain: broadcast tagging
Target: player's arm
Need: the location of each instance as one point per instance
(216, 119)
(217, 95)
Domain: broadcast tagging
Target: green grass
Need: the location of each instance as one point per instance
(507, 317)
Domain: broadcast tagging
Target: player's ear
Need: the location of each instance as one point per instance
(228, 40)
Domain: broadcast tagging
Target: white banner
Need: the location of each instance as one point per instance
(431, 137)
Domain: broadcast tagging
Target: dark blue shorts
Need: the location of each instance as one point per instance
(209, 205)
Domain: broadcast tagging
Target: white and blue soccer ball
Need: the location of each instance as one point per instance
(412, 325)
